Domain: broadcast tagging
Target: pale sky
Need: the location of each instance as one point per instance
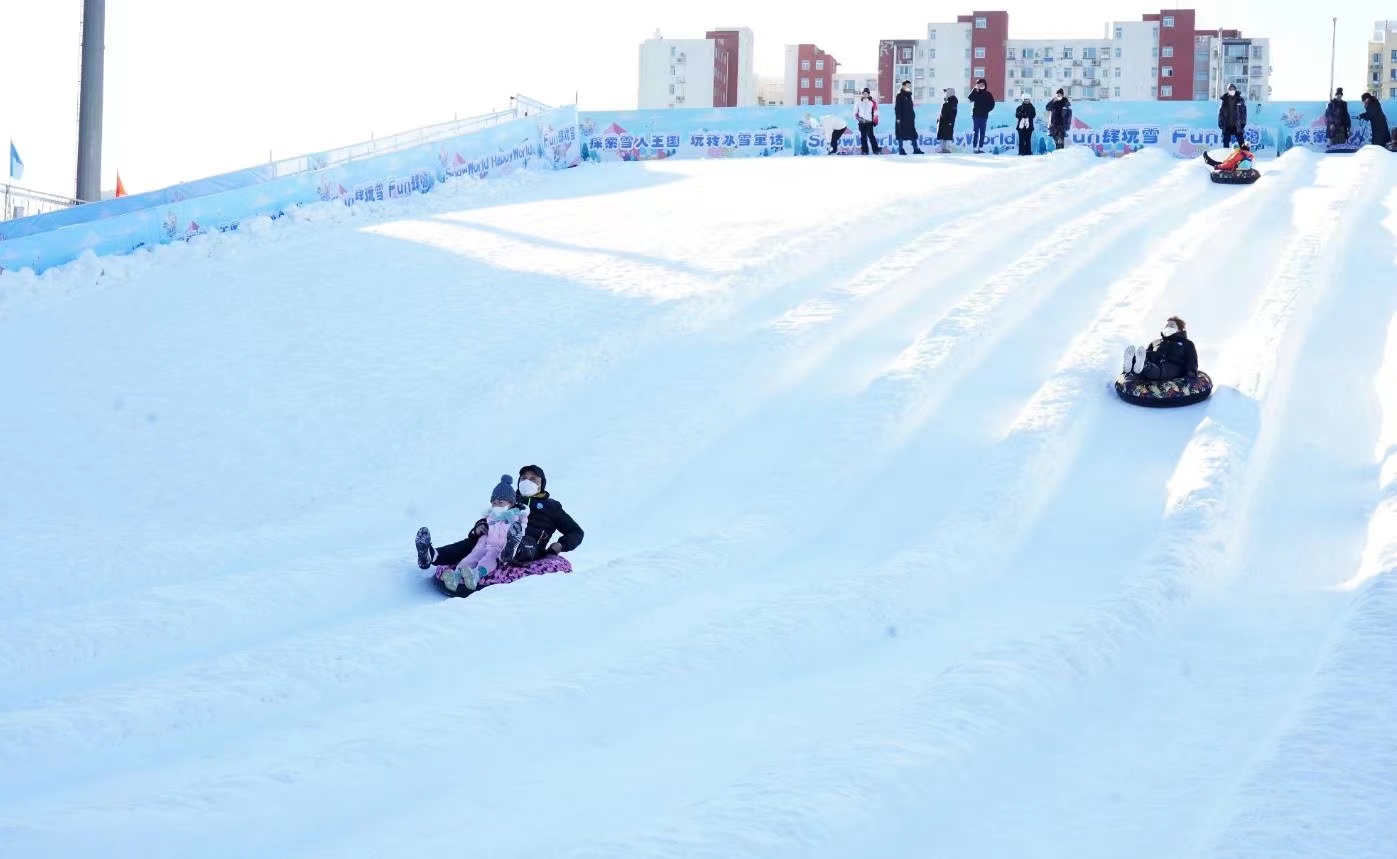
(198, 87)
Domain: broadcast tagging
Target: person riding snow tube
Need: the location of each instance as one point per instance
(1239, 168)
(533, 554)
(1165, 373)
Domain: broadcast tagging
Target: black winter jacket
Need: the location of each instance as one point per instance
(982, 102)
(1025, 111)
(1059, 116)
(1382, 135)
(1176, 356)
(946, 123)
(1232, 113)
(906, 115)
(546, 516)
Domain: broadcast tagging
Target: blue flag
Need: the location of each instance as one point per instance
(16, 165)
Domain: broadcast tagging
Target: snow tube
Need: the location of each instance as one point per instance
(1163, 394)
(447, 580)
(1235, 177)
(1342, 148)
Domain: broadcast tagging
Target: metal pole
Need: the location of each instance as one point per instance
(94, 28)
(1333, 41)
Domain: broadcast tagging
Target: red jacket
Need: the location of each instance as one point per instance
(1235, 158)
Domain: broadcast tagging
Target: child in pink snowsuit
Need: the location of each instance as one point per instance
(504, 524)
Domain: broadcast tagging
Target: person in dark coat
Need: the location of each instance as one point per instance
(1337, 119)
(983, 102)
(906, 121)
(1377, 120)
(1232, 116)
(1172, 356)
(546, 516)
(1023, 121)
(1059, 118)
(946, 122)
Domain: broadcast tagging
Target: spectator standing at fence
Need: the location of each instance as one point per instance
(906, 115)
(982, 101)
(1024, 116)
(1232, 116)
(866, 113)
(1059, 119)
(946, 123)
(1377, 120)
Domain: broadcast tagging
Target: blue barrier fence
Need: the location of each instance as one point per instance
(543, 141)
(561, 137)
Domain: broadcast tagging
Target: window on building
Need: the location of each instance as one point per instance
(1047, 92)
(1167, 72)
(1090, 92)
(1154, 31)
(931, 53)
(1011, 73)
(1166, 91)
(1012, 54)
(979, 53)
(1118, 71)
(671, 89)
(1047, 53)
(1394, 56)
(1392, 92)
(1067, 53)
(1118, 92)
(981, 23)
(1168, 21)
(1118, 53)
(1154, 52)
(920, 73)
(1256, 51)
(819, 83)
(931, 35)
(979, 71)
(805, 65)
(967, 53)
(1377, 58)
(819, 99)
(819, 65)
(919, 93)
(1166, 51)
(805, 83)
(805, 99)
(1154, 71)
(1088, 53)
(1394, 74)
(1120, 32)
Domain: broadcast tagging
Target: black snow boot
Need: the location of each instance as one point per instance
(425, 553)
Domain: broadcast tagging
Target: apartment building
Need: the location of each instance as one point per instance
(810, 75)
(715, 71)
(1382, 60)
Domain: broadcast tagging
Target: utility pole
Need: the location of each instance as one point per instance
(94, 28)
(1333, 41)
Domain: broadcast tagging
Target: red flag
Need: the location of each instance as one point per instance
(120, 189)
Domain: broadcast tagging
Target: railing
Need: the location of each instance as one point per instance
(22, 202)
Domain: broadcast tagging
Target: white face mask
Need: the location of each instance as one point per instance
(528, 488)
(1170, 331)
(498, 512)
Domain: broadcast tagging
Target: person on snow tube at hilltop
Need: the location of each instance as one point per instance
(1172, 356)
(545, 517)
(1240, 159)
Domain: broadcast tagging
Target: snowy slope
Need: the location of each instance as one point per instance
(876, 564)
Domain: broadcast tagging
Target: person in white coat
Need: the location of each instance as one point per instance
(833, 128)
(866, 113)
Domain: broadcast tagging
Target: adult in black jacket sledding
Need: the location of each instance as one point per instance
(946, 122)
(1059, 118)
(1232, 116)
(1024, 115)
(1377, 120)
(546, 516)
(1337, 119)
(906, 116)
(982, 102)
(1172, 356)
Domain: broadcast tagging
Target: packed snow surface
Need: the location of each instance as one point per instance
(876, 564)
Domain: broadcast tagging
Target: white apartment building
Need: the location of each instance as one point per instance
(942, 59)
(1382, 60)
(676, 73)
(685, 72)
(771, 92)
(1244, 62)
(1082, 68)
(848, 86)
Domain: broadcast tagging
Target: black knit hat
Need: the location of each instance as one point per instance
(1060, 92)
(542, 478)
